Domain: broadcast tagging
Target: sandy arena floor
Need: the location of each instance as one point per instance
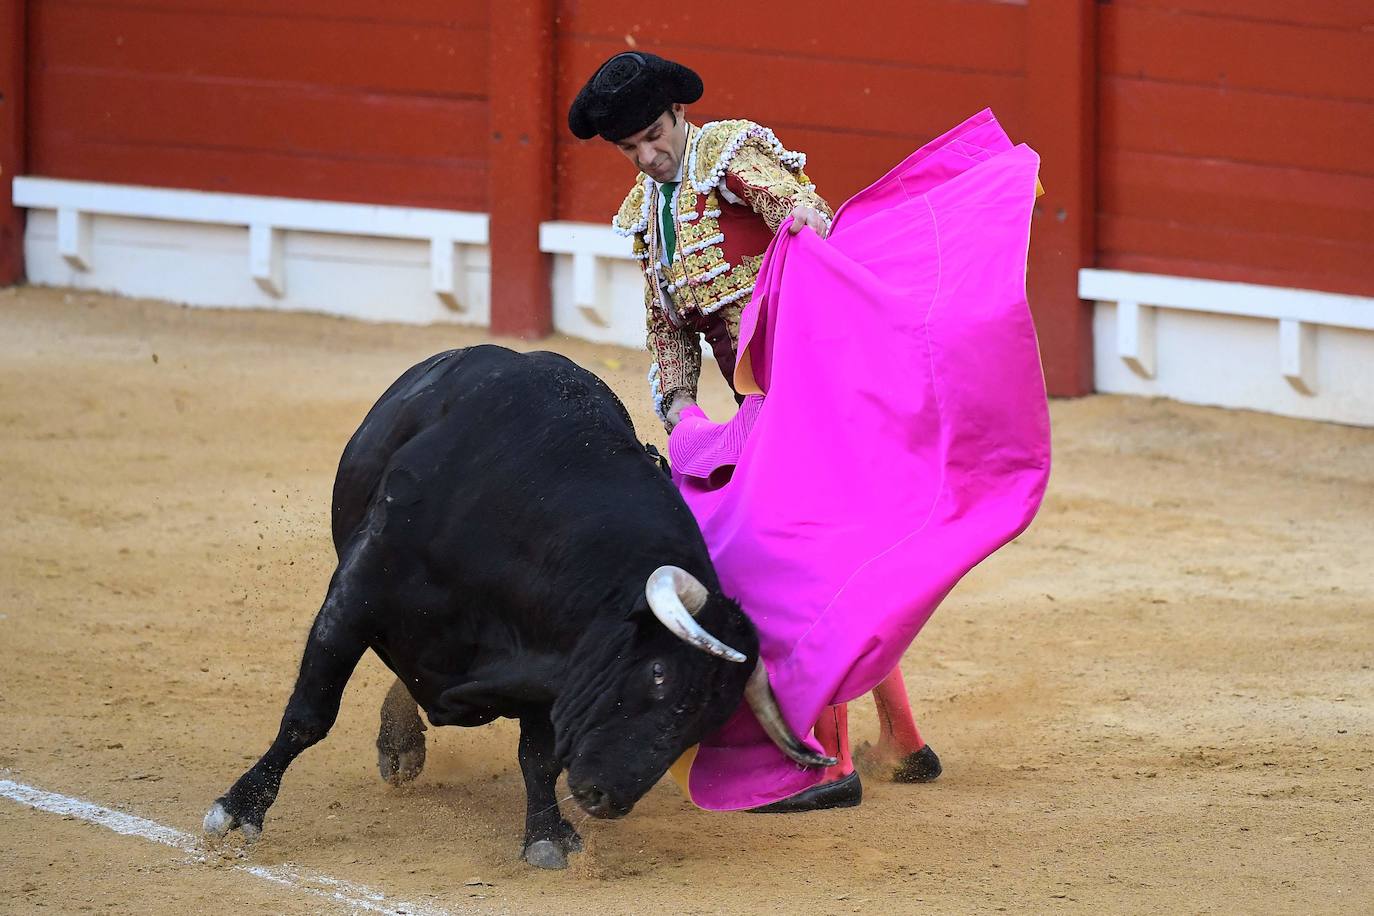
(1160, 699)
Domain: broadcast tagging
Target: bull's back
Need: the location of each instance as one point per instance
(478, 402)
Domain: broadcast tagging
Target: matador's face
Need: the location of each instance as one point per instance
(657, 150)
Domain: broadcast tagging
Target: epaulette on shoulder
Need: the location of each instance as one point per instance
(633, 216)
(717, 142)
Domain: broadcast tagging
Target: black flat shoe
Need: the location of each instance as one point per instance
(842, 793)
(918, 766)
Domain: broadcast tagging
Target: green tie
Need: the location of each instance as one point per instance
(669, 224)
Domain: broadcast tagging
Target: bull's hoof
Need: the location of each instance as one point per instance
(400, 766)
(219, 822)
(568, 839)
(845, 792)
(546, 854)
(918, 766)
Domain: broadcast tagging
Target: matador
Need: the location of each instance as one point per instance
(701, 213)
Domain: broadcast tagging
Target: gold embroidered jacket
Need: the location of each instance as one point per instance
(738, 186)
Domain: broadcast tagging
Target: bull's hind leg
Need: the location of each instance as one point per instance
(548, 836)
(401, 737)
(332, 651)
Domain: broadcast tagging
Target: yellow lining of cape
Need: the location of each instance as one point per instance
(681, 769)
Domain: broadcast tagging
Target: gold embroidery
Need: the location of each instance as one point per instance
(698, 251)
(689, 232)
(771, 190)
(774, 184)
(631, 215)
(719, 141)
(712, 144)
(732, 317)
(676, 352)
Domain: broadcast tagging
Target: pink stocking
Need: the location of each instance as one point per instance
(897, 733)
(832, 731)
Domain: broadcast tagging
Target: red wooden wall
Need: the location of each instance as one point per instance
(12, 44)
(1237, 141)
(1177, 136)
(332, 99)
(855, 92)
(858, 88)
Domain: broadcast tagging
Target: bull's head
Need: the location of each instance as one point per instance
(654, 685)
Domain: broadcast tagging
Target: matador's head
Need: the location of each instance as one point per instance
(636, 101)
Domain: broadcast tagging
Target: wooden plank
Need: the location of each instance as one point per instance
(521, 156)
(453, 185)
(851, 136)
(843, 163)
(1242, 178)
(1060, 78)
(455, 12)
(429, 59)
(1247, 273)
(1239, 196)
(300, 120)
(1319, 134)
(937, 33)
(1251, 300)
(1204, 50)
(12, 137)
(1281, 260)
(871, 98)
(143, 202)
(1335, 14)
(588, 184)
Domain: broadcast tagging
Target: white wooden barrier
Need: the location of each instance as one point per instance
(1202, 341)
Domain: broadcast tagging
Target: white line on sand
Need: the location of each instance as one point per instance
(354, 896)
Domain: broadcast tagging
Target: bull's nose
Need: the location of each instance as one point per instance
(596, 802)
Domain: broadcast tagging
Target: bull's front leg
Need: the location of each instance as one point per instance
(549, 838)
(335, 645)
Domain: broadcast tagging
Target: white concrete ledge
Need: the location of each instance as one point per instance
(265, 218)
(598, 284)
(1248, 300)
(584, 238)
(204, 264)
(590, 247)
(364, 261)
(247, 209)
(1135, 337)
(74, 237)
(1204, 341)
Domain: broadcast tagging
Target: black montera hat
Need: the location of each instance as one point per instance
(628, 93)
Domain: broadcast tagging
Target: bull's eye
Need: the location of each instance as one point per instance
(659, 675)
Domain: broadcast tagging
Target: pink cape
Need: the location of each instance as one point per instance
(902, 436)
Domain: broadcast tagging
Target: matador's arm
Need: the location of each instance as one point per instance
(677, 357)
(768, 188)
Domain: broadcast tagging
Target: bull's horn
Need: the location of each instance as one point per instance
(675, 596)
(758, 693)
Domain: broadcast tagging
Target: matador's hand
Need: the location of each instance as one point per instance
(673, 415)
(809, 216)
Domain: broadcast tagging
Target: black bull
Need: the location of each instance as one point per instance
(509, 549)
